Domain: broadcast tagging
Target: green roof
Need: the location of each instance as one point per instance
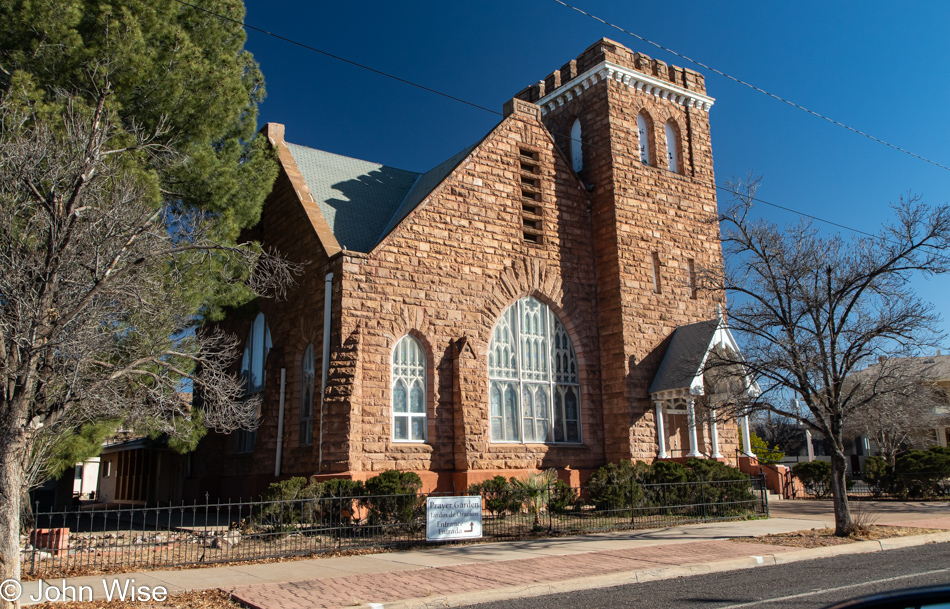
(363, 201)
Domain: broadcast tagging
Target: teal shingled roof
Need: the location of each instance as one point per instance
(363, 201)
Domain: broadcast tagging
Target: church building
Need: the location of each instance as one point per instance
(535, 301)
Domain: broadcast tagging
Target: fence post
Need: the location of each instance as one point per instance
(765, 495)
(702, 490)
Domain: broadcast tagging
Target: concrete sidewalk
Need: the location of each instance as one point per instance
(449, 576)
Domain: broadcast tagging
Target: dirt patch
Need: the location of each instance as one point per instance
(818, 538)
(203, 599)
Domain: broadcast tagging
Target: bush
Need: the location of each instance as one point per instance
(729, 484)
(336, 500)
(923, 473)
(535, 493)
(286, 504)
(815, 477)
(497, 495)
(563, 496)
(878, 475)
(297, 501)
(392, 497)
(615, 485)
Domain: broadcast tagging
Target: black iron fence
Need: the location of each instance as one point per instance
(919, 486)
(151, 537)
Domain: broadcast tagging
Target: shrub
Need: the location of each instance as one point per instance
(498, 496)
(286, 503)
(392, 497)
(879, 475)
(615, 485)
(666, 472)
(729, 484)
(535, 492)
(815, 477)
(336, 498)
(923, 473)
(563, 496)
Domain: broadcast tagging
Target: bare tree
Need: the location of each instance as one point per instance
(813, 309)
(780, 431)
(904, 407)
(98, 313)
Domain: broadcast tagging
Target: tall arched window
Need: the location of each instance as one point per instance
(643, 132)
(534, 393)
(409, 391)
(256, 347)
(672, 158)
(306, 397)
(577, 156)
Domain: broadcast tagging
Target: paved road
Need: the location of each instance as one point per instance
(810, 584)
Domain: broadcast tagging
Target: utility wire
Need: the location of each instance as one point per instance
(751, 86)
(338, 58)
(474, 105)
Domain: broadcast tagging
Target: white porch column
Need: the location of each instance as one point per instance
(691, 422)
(660, 431)
(746, 440)
(811, 447)
(714, 434)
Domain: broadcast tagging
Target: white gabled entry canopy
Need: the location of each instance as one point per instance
(682, 376)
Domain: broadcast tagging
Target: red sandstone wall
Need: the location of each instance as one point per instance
(445, 275)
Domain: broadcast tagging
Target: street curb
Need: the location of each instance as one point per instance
(634, 577)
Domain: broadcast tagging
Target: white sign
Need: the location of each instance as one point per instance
(453, 518)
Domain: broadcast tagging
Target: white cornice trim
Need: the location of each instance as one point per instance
(635, 80)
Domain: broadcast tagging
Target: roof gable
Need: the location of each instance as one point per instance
(357, 198)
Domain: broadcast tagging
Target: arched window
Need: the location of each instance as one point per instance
(306, 397)
(256, 347)
(577, 156)
(672, 159)
(409, 391)
(643, 132)
(534, 393)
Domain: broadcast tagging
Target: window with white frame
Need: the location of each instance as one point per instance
(409, 391)
(643, 133)
(672, 159)
(534, 392)
(306, 397)
(256, 347)
(577, 155)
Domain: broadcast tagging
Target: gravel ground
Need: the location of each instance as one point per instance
(816, 538)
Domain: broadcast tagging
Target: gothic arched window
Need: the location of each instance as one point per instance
(256, 347)
(672, 160)
(306, 397)
(643, 131)
(577, 156)
(409, 391)
(534, 392)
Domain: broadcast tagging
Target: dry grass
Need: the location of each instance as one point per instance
(203, 599)
(817, 538)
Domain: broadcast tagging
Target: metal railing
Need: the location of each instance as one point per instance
(894, 486)
(111, 540)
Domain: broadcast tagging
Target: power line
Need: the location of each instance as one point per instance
(474, 105)
(751, 86)
(338, 58)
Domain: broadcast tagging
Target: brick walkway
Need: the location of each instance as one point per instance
(473, 577)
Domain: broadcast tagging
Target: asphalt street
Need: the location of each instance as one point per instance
(808, 584)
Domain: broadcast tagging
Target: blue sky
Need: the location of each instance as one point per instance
(878, 67)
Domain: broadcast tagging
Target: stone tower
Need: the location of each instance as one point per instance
(645, 157)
